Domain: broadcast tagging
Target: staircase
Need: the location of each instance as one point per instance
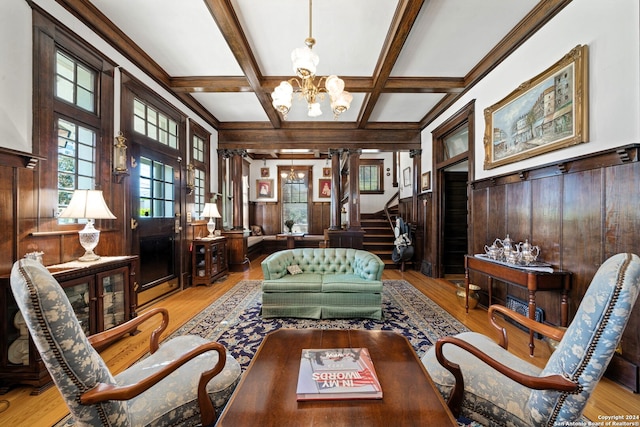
(379, 237)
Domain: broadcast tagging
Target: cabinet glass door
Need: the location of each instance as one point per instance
(80, 299)
(112, 286)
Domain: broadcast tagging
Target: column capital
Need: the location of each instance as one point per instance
(415, 152)
(227, 153)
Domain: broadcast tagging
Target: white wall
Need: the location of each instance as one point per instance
(611, 32)
(16, 74)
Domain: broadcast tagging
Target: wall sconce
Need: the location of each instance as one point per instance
(191, 179)
(120, 156)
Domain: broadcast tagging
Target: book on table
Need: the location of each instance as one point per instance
(337, 373)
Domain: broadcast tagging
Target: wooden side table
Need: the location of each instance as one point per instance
(533, 280)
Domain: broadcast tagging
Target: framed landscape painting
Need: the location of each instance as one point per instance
(544, 114)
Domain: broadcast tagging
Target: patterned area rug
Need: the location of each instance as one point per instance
(234, 319)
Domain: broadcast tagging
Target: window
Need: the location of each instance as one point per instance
(199, 156)
(150, 122)
(75, 83)
(199, 190)
(76, 161)
(295, 197)
(371, 176)
(156, 189)
(75, 90)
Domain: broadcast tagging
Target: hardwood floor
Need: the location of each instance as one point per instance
(48, 408)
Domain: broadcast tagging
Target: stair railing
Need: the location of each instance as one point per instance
(386, 210)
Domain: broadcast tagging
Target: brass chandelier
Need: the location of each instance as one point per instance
(304, 65)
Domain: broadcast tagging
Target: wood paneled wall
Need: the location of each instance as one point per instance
(579, 212)
(267, 214)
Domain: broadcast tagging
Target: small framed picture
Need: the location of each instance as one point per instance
(426, 181)
(264, 172)
(324, 188)
(326, 172)
(264, 188)
(406, 176)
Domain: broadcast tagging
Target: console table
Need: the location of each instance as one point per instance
(532, 279)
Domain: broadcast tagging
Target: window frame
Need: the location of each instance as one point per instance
(49, 38)
(379, 164)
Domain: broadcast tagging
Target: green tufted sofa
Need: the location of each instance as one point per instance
(334, 283)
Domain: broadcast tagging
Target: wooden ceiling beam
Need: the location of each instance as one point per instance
(403, 20)
(223, 13)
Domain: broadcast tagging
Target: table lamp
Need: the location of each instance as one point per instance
(211, 211)
(89, 205)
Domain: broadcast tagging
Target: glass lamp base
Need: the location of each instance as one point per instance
(211, 227)
(89, 238)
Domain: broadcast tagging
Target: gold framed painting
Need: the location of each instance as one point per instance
(426, 181)
(543, 114)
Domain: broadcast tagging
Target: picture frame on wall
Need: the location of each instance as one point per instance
(324, 188)
(264, 172)
(326, 172)
(543, 114)
(426, 181)
(264, 188)
(406, 176)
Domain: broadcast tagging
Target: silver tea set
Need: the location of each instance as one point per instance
(506, 250)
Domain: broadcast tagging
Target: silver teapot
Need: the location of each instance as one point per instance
(528, 252)
(494, 251)
(507, 246)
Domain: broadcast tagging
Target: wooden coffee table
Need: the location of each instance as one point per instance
(266, 395)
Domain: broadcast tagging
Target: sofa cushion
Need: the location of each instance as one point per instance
(349, 283)
(298, 283)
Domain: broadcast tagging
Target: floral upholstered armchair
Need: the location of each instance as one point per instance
(525, 395)
(182, 382)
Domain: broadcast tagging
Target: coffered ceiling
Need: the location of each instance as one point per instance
(404, 61)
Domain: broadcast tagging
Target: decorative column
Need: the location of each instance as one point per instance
(354, 189)
(236, 237)
(416, 155)
(336, 189)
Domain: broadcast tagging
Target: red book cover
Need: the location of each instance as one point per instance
(337, 373)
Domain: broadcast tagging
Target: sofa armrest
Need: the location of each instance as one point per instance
(367, 265)
(275, 265)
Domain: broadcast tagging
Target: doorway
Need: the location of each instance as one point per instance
(454, 220)
(453, 160)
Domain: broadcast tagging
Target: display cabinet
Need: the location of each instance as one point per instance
(102, 294)
(209, 260)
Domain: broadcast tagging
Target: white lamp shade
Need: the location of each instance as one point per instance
(341, 103)
(210, 211)
(87, 204)
(314, 110)
(304, 62)
(334, 85)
